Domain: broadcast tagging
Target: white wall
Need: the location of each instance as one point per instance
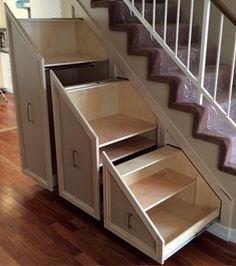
(19, 13)
(66, 8)
(45, 8)
(50, 8)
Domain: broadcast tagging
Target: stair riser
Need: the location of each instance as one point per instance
(120, 14)
(161, 63)
(140, 37)
(224, 105)
(189, 91)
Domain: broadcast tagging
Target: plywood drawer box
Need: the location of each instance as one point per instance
(92, 119)
(163, 195)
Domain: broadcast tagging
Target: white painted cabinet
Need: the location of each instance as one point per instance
(37, 46)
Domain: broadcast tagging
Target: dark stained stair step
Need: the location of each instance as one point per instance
(139, 37)
(119, 13)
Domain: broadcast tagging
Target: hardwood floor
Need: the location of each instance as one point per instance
(7, 113)
(38, 227)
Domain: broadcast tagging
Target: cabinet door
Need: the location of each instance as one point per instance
(78, 174)
(31, 106)
(124, 217)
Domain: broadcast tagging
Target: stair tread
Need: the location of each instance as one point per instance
(119, 12)
(117, 127)
(154, 189)
(173, 217)
(146, 160)
(127, 147)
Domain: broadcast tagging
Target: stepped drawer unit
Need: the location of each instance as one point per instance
(92, 119)
(37, 46)
(157, 202)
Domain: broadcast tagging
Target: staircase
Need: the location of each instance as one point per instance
(108, 155)
(208, 124)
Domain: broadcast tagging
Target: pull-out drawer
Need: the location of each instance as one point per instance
(89, 120)
(75, 74)
(157, 201)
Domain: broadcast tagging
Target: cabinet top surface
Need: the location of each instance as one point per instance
(59, 60)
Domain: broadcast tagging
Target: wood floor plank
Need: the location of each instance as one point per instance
(86, 260)
(6, 259)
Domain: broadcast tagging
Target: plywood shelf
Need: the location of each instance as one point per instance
(69, 59)
(146, 160)
(175, 217)
(152, 190)
(119, 127)
(127, 147)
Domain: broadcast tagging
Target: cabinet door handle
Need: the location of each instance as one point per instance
(74, 155)
(130, 215)
(30, 112)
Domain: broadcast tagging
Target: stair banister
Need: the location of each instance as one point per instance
(204, 41)
(224, 10)
(218, 54)
(196, 78)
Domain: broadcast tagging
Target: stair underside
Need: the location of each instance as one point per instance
(207, 123)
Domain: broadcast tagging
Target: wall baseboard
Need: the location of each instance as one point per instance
(233, 235)
(223, 232)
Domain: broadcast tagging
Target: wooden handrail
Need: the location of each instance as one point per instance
(225, 10)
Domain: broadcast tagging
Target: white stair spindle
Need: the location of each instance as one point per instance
(232, 76)
(190, 33)
(143, 8)
(218, 54)
(204, 41)
(154, 16)
(165, 20)
(177, 28)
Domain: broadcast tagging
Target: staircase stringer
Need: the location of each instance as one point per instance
(157, 100)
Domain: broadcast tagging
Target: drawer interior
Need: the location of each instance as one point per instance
(110, 114)
(70, 75)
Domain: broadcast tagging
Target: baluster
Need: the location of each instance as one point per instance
(177, 28)
(204, 40)
(143, 8)
(165, 20)
(154, 16)
(232, 76)
(190, 34)
(218, 54)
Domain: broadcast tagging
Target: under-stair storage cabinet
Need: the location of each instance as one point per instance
(157, 202)
(36, 46)
(109, 116)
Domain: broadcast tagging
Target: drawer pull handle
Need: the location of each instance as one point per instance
(74, 155)
(29, 112)
(130, 215)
